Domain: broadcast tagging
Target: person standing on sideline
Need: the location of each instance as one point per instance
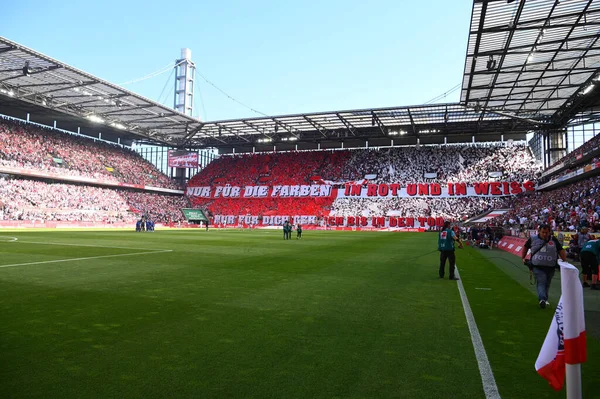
(446, 240)
(582, 238)
(590, 253)
(298, 232)
(545, 251)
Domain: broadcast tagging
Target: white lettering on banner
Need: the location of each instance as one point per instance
(357, 190)
(304, 191)
(324, 190)
(203, 192)
(450, 190)
(377, 222)
(263, 191)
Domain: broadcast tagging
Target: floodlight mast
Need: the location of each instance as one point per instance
(185, 73)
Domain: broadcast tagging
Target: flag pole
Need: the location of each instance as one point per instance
(573, 381)
(569, 277)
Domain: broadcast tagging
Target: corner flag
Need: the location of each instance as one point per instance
(565, 342)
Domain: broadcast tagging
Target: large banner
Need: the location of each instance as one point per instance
(182, 159)
(399, 222)
(357, 190)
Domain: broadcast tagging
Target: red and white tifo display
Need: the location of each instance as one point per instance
(360, 190)
(320, 197)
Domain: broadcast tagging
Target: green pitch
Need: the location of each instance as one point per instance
(224, 314)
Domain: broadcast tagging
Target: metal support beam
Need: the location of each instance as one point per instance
(348, 125)
(314, 124)
(236, 134)
(477, 44)
(7, 49)
(127, 109)
(43, 93)
(50, 68)
(412, 122)
(255, 128)
(511, 33)
(289, 130)
(188, 137)
(379, 123)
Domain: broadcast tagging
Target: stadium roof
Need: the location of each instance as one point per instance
(535, 59)
(394, 123)
(37, 79)
(530, 65)
(32, 79)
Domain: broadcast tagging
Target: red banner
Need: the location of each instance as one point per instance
(375, 222)
(359, 190)
(514, 245)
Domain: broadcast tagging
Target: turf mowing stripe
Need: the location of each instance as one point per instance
(85, 245)
(487, 376)
(89, 257)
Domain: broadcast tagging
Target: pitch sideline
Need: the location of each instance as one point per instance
(487, 376)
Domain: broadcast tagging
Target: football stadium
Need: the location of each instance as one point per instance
(441, 250)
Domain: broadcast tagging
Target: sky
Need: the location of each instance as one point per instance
(275, 57)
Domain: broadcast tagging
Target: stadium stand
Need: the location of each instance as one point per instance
(449, 163)
(38, 149)
(567, 208)
(30, 146)
(25, 199)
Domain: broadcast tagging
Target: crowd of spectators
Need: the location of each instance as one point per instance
(30, 146)
(159, 207)
(24, 145)
(267, 206)
(568, 208)
(33, 200)
(448, 163)
(273, 169)
(447, 208)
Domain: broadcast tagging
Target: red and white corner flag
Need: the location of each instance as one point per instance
(565, 342)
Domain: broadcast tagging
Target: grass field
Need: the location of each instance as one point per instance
(225, 314)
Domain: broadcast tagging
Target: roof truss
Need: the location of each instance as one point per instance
(531, 58)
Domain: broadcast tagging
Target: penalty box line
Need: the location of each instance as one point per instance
(485, 369)
(86, 258)
(145, 252)
(84, 245)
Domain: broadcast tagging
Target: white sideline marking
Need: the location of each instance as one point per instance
(88, 257)
(487, 376)
(12, 239)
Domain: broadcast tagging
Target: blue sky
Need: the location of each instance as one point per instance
(276, 57)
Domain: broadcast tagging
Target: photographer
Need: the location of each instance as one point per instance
(446, 240)
(589, 263)
(545, 251)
